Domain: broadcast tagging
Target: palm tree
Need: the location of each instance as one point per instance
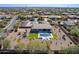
(17, 26)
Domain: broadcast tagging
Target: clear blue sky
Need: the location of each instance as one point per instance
(41, 5)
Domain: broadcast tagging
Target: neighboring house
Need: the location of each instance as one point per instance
(68, 23)
(55, 17)
(2, 16)
(30, 16)
(26, 24)
(73, 16)
(65, 13)
(41, 26)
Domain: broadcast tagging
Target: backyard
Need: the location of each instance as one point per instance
(35, 35)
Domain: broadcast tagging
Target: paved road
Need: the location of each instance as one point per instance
(11, 23)
(60, 43)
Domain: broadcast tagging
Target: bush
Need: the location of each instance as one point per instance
(55, 36)
(74, 31)
(36, 46)
(20, 47)
(6, 44)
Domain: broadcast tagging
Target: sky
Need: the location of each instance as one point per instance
(41, 5)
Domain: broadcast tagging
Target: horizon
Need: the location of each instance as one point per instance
(41, 5)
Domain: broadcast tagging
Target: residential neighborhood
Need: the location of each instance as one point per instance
(39, 30)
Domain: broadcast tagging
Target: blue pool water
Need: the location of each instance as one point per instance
(45, 34)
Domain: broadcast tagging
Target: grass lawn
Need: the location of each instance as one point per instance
(33, 35)
(55, 36)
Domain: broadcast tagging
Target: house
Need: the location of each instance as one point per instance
(68, 23)
(26, 24)
(2, 16)
(72, 16)
(54, 17)
(41, 26)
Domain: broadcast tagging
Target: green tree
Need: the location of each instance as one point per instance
(40, 19)
(6, 44)
(1, 42)
(22, 18)
(3, 24)
(74, 31)
(17, 26)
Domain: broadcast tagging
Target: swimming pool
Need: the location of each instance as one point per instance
(45, 35)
